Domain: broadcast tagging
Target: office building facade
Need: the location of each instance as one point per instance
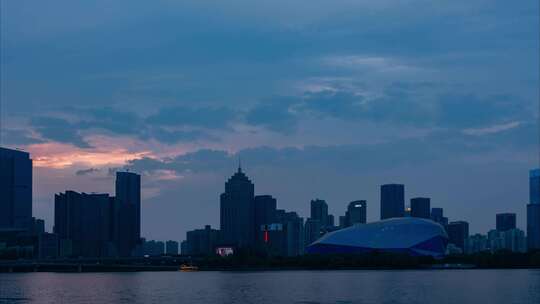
(533, 211)
(84, 220)
(127, 213)
(201, 241)
(319, 212)
(312, 231)
(15, 189)
(420, 207)
(505, 221)
(265, 214)
(237, 211)
(437, 215)
(392, 201)
(171, 247)
(356, 213)
(458, 232)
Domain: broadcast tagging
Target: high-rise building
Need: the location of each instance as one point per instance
(265, 214)
(48, 245)
(84, 220)
(533, 226)
(171, 247)
(293, 233)
(356, 213)
(153, 248)
(476, 243)
(509, 240)
(37, 226)
(127, 213)
(237, 211)
(392, 201)
(505, 221)
(319, 212)
(437, 215)
(15, 189)
(312, 231)
(534, 186)
(330, 222)
(533, 211)
(201, 241)
(420, 207)
(342, 221)
(458, 232)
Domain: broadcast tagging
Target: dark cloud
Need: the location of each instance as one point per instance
(199, 161)
(60, 130)
(420, 105)
(110, 119)
(18, 137)
(470, 110)
(437, 146)
(85, 121)
(86, 171)
(276, 114)
(196, 117)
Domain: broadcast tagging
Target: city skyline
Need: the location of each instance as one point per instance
(320, 100)
(240, 200)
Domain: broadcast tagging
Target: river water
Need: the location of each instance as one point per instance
(350, 286)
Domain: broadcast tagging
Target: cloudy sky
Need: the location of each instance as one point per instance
(319, 99)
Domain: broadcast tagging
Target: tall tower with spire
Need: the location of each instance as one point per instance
(237, 210)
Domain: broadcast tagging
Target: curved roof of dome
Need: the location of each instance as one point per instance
(391, 233)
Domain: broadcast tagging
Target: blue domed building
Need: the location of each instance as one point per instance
(408, 235)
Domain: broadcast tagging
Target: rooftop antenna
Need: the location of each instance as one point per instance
(239, 165)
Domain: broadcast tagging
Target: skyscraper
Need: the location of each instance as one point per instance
(330, 221)
(237, 211)
(293, 233)
(458, 232)
(420, 207)
(533, 211)
(437, 215)
(319, 212)
(356, 213)
(265, 214)
(127, 212)
(171, 247)
(15, 189)
(534, 186)
(392, 201)
(505, 221)
(201, 241)
(312, 231)
(84, 220)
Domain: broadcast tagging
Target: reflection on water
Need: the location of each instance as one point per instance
(450, 286)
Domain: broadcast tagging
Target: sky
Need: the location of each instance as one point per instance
(319, 99)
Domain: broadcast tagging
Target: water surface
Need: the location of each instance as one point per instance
(434, 286)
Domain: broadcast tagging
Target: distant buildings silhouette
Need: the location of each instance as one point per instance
(392, 201)
(505, 221)
(127, 213)
(100, 225)
(237, 211)
(533, 211)
(15, 189)
(420, 207)
(84, 224)
(356, 213)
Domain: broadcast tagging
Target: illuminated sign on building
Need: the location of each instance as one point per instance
(224, 251)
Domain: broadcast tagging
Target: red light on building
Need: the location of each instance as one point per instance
(266, 236)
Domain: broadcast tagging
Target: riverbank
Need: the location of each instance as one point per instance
(373, 261)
